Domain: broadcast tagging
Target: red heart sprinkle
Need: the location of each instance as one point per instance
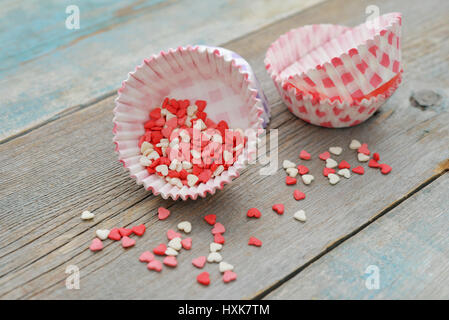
(302, 169)
(364, 149)
(171, 234)
(385, 168)
(160, 249)
(155, 265)
(358, 170)
(253, 241)
(254, 213)
(376, 156)
(373, 164)
(344, 165)
(325, 155)
(298, 195)
(203, 278)
(96, 245)
(114, 234)
(125, 232)
(290, 180)
(218, 228)
(210, 219)
(139, 230)
(229, 276)
(146, 256)
(186, 243)
(326, 171)
(128, 242)
(304, 155)
(170, 261)
(199, 262)
(218, 238)
(163, 213)
(278, 208)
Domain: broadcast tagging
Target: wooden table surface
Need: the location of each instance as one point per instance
(58, 88)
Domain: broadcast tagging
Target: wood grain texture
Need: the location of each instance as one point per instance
(47, 69)
(58, 170)
(410, 252)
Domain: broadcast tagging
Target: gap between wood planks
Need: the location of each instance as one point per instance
(444, 167)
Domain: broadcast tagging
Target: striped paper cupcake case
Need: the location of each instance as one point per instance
(336, 76)
(194, 73)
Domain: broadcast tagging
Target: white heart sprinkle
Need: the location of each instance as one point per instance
(187, 165)
(102, 234)
(224, 266)
(185, 226)
(87, 215)
(214, 257)
(300, 215)
(153, 155)
(144, 161)
(195, 154)
(162, 168)
(333, 178)
(292, 172)
(331, 163)
(336, 150)
(307, 178)
(362, 157)
(171, 252)
(345, 173)
(175, 243)
(191, 180)
(146, 146)
(355, 144)
(214, 247)
(288, 164)
(227, 156)
(218, 171)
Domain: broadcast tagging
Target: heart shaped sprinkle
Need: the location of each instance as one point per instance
(146, 256)
(385, 168)
(214, 257)
(124, 232)
(96, 245)
(102, 234)
(298, 195)
(307, 178)
(175, 243)
(160, 249)
(229, 276)
(300, 216)
(326, 171)
(114, 234)
(214, 247)
(359, 170)
(128, 242)
(210, 219)
(290, 181)
(218, 228)
(292, 172)
(373, 164)
(376, 156)
(254, 213)
(218, 238)
(302, 169)
(192, 179)
(345, 173)
(278, 208)
(362, 157)
(87, 215)
(364, 149)
(336, 150)
(304, 155)
(155, 265)
(253, 241)
(224, 266)
(171, 252)
(171, 234)
(185, 226)
(355, 144)
(325, 155)
(344, 165)
(333, 178)
(170, 261)
(199, 262)
(288, 164)
(187, 243)
(331, 163)
(203, 278)
(139, 230)
(162, 213)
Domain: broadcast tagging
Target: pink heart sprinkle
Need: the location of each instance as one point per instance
(155, 265)
(163, 213)
(218, 228)
(229, 276)
(146, 256)
(128, 242)
(199, 262)
(96, 245)
(171, 234)
(170, 261)
(187, 243)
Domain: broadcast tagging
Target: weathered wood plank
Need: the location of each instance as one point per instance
(53, 173)
(47, 69)
(409, 246)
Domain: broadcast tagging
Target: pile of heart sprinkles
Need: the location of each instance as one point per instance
(185, 147)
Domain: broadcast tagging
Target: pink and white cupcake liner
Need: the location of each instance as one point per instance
(335, 76)
(194, 73)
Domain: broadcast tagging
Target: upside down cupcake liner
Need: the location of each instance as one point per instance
(336, 76)
(194, 73)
